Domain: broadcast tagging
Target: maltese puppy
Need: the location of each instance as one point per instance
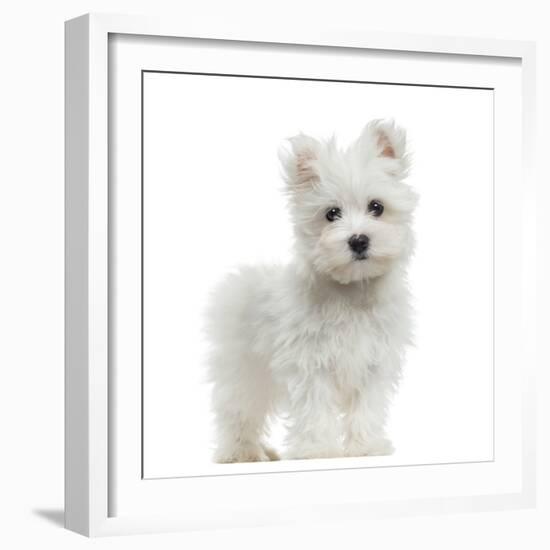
(320, 341)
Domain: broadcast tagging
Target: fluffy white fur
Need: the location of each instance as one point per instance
(320, 341)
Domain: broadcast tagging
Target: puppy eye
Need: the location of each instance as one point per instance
(333, 213)
(376, 207)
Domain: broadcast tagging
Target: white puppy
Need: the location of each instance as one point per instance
(320, 341)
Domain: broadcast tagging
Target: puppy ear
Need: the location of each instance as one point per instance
(384, 139)
(299, 163)
(390, 140)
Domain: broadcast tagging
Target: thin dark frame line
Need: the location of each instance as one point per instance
(142, 286)
(310, 471)
(311, 79)
(494, 280)
(143, 71)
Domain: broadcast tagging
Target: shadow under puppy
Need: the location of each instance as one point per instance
(320, 341)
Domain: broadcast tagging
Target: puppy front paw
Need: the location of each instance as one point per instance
(377, 446)
(301, 452)
(245, 453)
(271, 453)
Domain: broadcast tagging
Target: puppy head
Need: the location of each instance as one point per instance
(351, 208)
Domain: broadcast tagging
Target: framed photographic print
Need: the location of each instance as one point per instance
(297, 275)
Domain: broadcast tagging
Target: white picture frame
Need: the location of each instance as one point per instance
(96, 481)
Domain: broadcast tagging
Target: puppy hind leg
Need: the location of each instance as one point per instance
(242, 403)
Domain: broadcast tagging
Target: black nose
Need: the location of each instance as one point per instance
(359, 243)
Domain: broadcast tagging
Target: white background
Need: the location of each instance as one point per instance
(31, 290)
(213, 200)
